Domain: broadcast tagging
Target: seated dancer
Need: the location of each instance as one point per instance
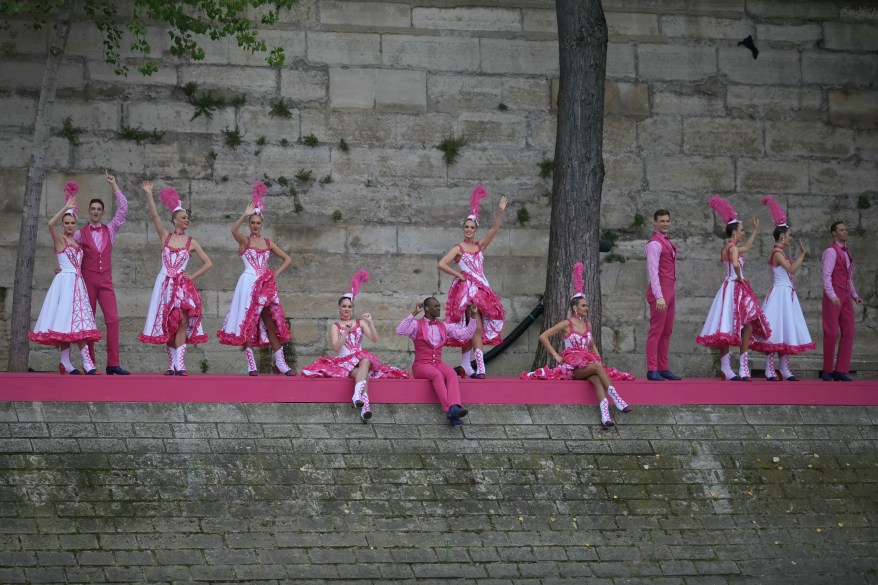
(789, 331)
(351, 361)
(429, 336)
(735, 312)
(256, 317)
(471, 286)
(580, 359)
(66, 316)
(174, 316)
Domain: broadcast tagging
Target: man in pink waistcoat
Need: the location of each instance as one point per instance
(839, 296)
(429, 335)
(661, 265)
(97, 241)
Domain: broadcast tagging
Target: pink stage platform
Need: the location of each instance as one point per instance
(41, 387)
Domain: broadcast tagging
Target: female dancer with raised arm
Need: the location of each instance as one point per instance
(174, 316)
(580, 359)
(66, 316)
(471, 287)
(735, 313)
(256, 317)
(346, 338)
(789, 331)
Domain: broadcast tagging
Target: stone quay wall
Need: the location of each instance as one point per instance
(689, 113)
(520, 495)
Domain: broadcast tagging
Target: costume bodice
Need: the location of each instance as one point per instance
(730, 268)
(255, 260)
(473, 263)
(781, 276)
(577, 340)
(353, 342)
(70, 259)
(174, 260)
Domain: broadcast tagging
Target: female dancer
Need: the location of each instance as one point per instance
(580, 359)
(66, 316)
(346, 338)
(174, 316)
(789, 331)
(256, 317)
(735, 312)
(471, 286)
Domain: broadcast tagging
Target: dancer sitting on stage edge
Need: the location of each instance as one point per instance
(471, 286)
(580, 359)
(346, 338)
(256, 317)
(66, 316)
(429, 336)
(174, 316)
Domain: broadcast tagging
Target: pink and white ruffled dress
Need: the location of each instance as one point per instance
(348, 357)
(66, 315)
(734, 306)
(475, 289)
(172, 294)
(576, 354)
(789, 331)
(256, 290)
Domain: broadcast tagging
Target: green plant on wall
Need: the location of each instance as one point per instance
(547, 167)
(450, 148)
(304, 176)
(523, 215)
(69, 131)
(233, 138)
(343, 146)
(279, 109)
(206, 104)
(863, 202)
(310, 140)
(139, 135)
(336, 215)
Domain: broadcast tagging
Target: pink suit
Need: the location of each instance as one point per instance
(97, 273)
(429, 338)
(838, 282)
(661, 262)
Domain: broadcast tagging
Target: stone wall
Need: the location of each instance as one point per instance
(301, 493)
(688, 113)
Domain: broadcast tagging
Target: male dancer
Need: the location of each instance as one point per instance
(97, 241)
(429, 335)
(839, 296)
(661, 265)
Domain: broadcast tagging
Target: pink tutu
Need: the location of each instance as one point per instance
(252, 330)
(574, 357)
(461, 294)
(342, 366)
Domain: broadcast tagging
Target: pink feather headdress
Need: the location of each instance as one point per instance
(724, 209)
(780, 218)
(578, 281)
(361, 277)
(259, 191)
(171, 199)
(70, 191)
(475, 200)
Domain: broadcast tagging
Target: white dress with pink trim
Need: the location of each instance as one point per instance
(734, 306)
(172, 294)
(256, 291)
(66, 315)
(348, 357)
(789, 331)
(475, 289)
(576, 354)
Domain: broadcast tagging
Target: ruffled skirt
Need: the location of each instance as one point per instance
(342, 366)
(461, 294)
(66, 315)
(243, 324)
(789, 331)
(170, 298)
(734, 306)
(574, 358)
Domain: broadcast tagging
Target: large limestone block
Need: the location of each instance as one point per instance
(845, 36)
(425, 240)
(676, 62)
(660, 135)
(857, 109)
(344, 48)
(372, 239)
(171, 116)
(248, 80)
(495, 164)
(99, 153)
(525, 93)
(620, 61)
(760, 99)
(430, 52)
(793, 9)
(620, 134)
(407, 163)
(286, 161)
(700, 27)
(450, 93)
(352, 88)
(841, 178)
(535, 20)
(836, 68)
(86, 40)
(18, 111)
(493, 128)
(517, 275)
(187, 157)
(867, 144)
(254, 121)
(627, 99)
(17, 75)
(401, 91)
(542, 135)
(366, 14)
(717, 136)
(466, 18)
(771, 68)
(687, 100)
(529, 242)
(17, 150)
(519, 56)
(424, 129)
(623, 171)
(99, 72)
(632, 24)
(354, 127)
(797, 34)
(304, 86)
(690, 172)
(767, 176)
(808, 139)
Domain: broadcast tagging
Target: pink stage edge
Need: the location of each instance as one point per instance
(273, 388)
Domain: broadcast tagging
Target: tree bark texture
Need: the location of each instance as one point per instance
(33, 190)
(579, 169)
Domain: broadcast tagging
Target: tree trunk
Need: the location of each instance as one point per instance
(33, 191)
(574, 233)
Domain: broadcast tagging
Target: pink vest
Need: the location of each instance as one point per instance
(667, 268)
(425, 353)
(841, 274)
(94, 260)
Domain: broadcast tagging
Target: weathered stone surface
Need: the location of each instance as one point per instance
(705, 27)
(831, 68)
(718, 136)
(676, 62)
(845, 36)
(808, 138)
(775, 177)
(805, 10)
(627, 99)
(428, 52)
(687, 101)
(303, 85)
(670, 173)
(494, 128)
(449, 93)
(842, 178)
(774, 67)
(539, 20)
(807, 34)
(366, 14)
(344, 48)
(660, 135)
(458, 18)
(759, 99)
(620, 61)
(516, 57)
(858, 109)
(632, 24)
(251, 80)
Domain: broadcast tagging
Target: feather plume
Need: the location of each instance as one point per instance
(724, 209)
(578, 281)
(70, 191)
(475, 200)
(780, 218)
(259, 191)
(170, 198)
(360, 278)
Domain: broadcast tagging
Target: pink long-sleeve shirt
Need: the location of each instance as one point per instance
(653, 252)
(114, 226)
(830, 257)
(409, 328)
